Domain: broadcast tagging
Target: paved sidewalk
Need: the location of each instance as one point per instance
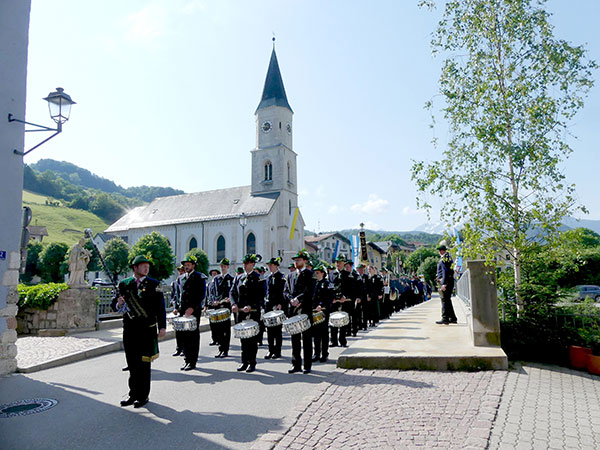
(548, 407)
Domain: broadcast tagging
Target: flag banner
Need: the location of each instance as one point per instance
(336, 251)
(364, 256)
(293, 220)
(355, 249)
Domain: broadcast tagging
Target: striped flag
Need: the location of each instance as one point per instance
(293, 220)
(355, 249)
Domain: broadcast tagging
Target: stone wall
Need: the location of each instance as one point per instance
(74, 310)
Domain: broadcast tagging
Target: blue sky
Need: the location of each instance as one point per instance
(166, 92)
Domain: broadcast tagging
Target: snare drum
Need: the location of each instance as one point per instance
(296, 324)
(339, 319)
(218, 315)
(185, 323)
(274, 318)
(318, 317)
(246, 329)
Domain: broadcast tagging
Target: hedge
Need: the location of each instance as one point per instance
(39, 296)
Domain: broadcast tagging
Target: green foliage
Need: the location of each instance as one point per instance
(510, 90)
(52, 262)
(94, 264)
(157, 249)
(39, 296)
(428, 269)
(584, 237)
(116, 257)
(105, 207)
(201, 259)
(416, 258)
(32, 266)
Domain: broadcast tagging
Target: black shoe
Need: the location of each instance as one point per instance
(268, 356)
(260, 344)
(214, 343)
(333, 345)
(323, 359)
(443, 322)
(224, 355)
(278, 355)
(251, 369)
(242, 367)
(127, 402)
(295, 369)
(315, 358)
(306, 371)
(189, 367)
(177, 353)
(454, 321)
(125, 369)
(353, 334)
(185, 366)
(140, 403)
(344, 345)
(219, 355)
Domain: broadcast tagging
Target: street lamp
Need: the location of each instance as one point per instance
(243, 223)
(59, 105)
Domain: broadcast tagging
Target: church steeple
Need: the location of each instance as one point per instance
(273, 91)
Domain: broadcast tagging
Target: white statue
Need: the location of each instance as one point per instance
(78, 261)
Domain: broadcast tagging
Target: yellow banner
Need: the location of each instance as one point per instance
(293, 223)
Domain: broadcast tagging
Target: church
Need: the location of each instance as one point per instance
(262, 218)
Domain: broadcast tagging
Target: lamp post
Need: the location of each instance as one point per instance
(243, 223)
(59, 105)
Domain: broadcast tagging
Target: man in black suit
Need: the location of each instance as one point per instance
(143, 308)
(275, 302)
(301, 303)
(193, 292)
(445, 277)
(224, 283)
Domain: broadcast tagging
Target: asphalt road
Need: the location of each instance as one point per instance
(213, 407)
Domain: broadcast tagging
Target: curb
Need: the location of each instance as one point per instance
(109, 347)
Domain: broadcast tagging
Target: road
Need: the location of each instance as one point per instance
(213, 407)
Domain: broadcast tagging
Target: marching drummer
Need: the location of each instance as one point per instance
(275, 302)
(301, 303)
(224, 282)
(335, 284)
(247, 296)
(322, 302)
(176, 303)
(212, 302)
(193, 291)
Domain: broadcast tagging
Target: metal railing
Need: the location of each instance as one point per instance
(105, 297)
(463, 288)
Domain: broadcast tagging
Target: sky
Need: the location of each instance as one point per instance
(166, 92)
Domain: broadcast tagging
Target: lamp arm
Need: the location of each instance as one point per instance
(57, 130)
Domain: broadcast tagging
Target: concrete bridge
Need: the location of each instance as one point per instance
(412, 340)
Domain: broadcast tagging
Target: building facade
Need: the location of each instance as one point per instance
(261, 218)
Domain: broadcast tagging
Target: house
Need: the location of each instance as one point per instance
(327, 243)
(37, 233)
(377, 256)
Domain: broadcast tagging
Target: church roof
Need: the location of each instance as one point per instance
(204, 206)
(273, 92)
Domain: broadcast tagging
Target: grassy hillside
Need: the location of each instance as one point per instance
(63, 224)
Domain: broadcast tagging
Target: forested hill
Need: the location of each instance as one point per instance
(79, 188)
(399, 237)
(84, 178)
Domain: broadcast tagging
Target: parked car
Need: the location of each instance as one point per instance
(101, 282)
(588, 290)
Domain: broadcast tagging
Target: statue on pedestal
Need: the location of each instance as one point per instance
(78, 261)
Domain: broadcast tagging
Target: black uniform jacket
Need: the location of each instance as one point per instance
(193, 291)
(304, 289)
(275, 287)
(248, 291)
(149, 299)
(323, 295)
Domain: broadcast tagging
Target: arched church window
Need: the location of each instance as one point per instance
(220, 248)
(193, 243)
(251, 243)
(268, 171)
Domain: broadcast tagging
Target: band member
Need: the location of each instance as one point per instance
(212, 302)
(193, 292)
(335, 284)
(350, 292)
(321, 302)
(176, 304)
(364, 307)
(224, 284)
(301, 303)
(445, 276)
(143, 308)
(246, 296)
(260, 270)
(385, 300)
(275, 302)
(374, 294)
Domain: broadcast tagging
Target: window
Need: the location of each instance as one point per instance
(290, 207)
(220, 248)
(251, 243)
(268, 171)
(289, 172)
(193, 243)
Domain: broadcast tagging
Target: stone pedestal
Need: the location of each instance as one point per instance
(484, 304)
(73, 311)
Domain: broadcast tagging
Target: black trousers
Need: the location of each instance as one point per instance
(371, 311)
(275, 339)
(223, 335)
(191, 344)
(139, 371)
(447, 308)
(250, 345)
(302, 346)
(321, 338)
(348, 306)
(213, 331)
(178, 341)
(356, 317)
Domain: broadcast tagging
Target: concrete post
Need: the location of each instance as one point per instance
(484, 304)
(14, 37)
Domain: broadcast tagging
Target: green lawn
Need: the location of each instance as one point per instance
(63, 224)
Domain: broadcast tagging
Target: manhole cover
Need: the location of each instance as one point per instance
(26, 407)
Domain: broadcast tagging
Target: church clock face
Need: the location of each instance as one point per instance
(288, 127)
(266, 126)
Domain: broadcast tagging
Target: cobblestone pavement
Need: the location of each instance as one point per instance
(33, 350)
(548, 407)
(391, 409)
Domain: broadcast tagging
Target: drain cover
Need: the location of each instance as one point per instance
(26, 407)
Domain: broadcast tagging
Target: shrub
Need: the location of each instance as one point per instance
(39, 296)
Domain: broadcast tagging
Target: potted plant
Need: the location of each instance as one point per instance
(578, 355)
(593, 358)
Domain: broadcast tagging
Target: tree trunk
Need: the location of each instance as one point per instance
(517, 274)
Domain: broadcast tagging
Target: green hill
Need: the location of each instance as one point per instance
(63, 224)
